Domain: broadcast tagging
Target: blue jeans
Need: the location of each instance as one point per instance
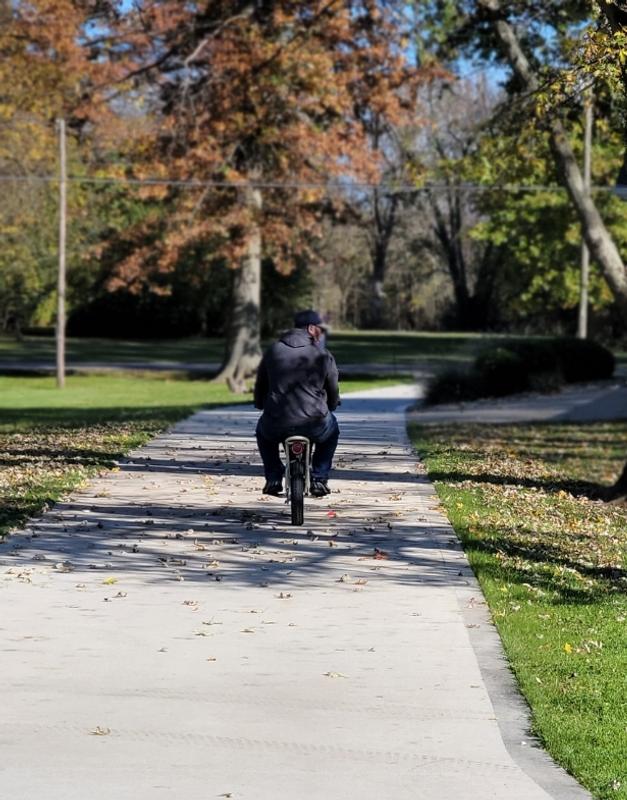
(324, 433)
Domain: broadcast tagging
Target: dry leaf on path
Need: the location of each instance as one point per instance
(98, 731)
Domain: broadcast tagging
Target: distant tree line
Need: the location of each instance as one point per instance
(366, 157)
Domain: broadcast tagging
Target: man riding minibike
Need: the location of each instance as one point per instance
(297, 388)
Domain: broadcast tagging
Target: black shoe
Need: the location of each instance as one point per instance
(273, 487)
(319, 487)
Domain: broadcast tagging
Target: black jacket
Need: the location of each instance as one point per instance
(297, 381)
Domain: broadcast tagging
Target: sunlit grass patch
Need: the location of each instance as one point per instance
(552, 562)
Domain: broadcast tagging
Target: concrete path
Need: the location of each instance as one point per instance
(167, 634)
(581, 403)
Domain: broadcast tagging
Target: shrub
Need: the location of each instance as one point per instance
(584, 360)
(516, 365)
(499, 372)
(452, 386)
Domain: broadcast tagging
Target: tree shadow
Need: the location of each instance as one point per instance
(366, 532)
(574, 487)
(556, 567)
(252, 546)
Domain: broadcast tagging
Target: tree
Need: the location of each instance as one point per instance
(47, 71)
(458, 111)
(254, 97)
(546, 87)
(598, 238)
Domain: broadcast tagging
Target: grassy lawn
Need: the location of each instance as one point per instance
(552, 563)
(359, 347)
(51, 440)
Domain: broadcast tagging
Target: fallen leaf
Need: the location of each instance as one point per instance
(109, 581)
(98, 731)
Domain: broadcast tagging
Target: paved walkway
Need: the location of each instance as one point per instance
(167, 634)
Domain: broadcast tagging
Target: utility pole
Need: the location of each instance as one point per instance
(62, 254)
(582, 326)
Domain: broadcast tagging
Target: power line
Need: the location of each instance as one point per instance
(352, 185)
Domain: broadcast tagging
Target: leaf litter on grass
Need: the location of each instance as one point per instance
(552, 561)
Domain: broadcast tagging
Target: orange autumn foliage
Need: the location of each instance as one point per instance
(277, 93)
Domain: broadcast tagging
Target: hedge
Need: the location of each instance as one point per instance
(518, 366)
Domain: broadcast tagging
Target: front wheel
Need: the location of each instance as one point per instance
(297, 498)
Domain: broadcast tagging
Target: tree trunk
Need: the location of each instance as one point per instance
(243, 347)
(599, 240)
(618, 492)
(385, 209)
(377, 296)
(447, 230)
(616, 14)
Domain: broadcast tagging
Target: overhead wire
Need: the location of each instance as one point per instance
(392, 188)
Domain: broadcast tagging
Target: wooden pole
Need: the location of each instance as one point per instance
(61, 281)
(582, 326)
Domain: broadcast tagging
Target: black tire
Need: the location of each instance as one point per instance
(297, 496)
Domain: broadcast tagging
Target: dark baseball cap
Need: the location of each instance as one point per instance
(309, 317)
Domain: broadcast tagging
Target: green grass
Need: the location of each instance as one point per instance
(552, 562)
(402, 350)
(39, 348)
(52, 440)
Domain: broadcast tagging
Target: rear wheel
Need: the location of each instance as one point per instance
(297, 497)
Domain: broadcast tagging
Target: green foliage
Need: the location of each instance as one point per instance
(570, 46)
(583, 360)
(452, 385)
(500, 371)
(537, 232)
(520, 365)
